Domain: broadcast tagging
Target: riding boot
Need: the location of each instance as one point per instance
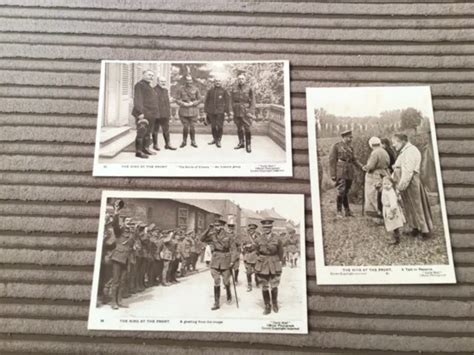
(192, 133)
(249, 282)
(266, 300)
(113, 292)
(120, 293)
(339, 206)
(236, 275)
(248, 141)
(217, 296)
(146, 145)
(138, 149)
(214, 136)
(185, 137)
(154, 136)
(257, 284)
(229, 295)
(167, 142)
(240, 134)
(275, 299)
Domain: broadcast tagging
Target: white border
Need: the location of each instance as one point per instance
(219, 325)
(140, 168)
(355, 275)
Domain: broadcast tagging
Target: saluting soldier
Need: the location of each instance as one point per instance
(188, 99)
(249, 249)
(145, 110)
(341, 166)
(124, 240)
(216, 105)
(268, 266)
(243, 107)
(222, 258)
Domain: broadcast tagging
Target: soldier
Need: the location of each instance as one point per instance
(293, 248)
(243, 107)
(145, 111)
(123, 247)
(188, 98)
(176, 259)
(249, 249)
(105, 276)
(166, 256)
(156, 264)
(216, 104)
(221, 261)
(236, 250)
(164, 114)
(341, 167)
(268, 266)
(184, 248)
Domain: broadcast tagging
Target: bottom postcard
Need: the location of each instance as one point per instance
(172, 261)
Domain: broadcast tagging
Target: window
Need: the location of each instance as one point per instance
(182, 217)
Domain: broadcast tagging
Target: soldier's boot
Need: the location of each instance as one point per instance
(345, 203)
(146, 145)
(266, 300)
(240, 134)
(217, 296)
(257, 284)
(275, 299)
(106, 296)
(119, 298)
(229, 294)
(192, 133)
(138, 149)
(249, 282)
(185, 137)
(236, 275)
(219, 137)
(248, 141)
(154, 136)
(339, 207)
(167, 142)
(113, 292)
(214, 136)
(348, 213)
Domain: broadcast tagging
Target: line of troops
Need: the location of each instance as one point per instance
(151, 109)
(136, 256)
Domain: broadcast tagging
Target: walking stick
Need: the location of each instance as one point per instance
(235, 288)
(363, 194)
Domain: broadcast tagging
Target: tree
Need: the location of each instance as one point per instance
(410, 118)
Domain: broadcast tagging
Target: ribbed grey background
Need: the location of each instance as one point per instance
(50, 56)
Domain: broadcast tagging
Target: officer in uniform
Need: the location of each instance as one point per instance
(216, 104)
(124, 240)
(243, 107)
(268, 267)
(166, 255)
(221, 262)
(188, 98)
(145, 111)
(293, 248)
(164, 114)
(236, 250)
(341, 167)
(249, 248)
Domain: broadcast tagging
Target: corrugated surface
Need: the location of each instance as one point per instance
(49, 202)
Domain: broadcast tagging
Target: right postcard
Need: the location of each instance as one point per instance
(379, 214)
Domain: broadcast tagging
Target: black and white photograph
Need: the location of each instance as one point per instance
(214, 118)
(173, 261)
(377, 193)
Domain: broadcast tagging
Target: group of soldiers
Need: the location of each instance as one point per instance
(136, 255)
(263, 255)
(151, 109)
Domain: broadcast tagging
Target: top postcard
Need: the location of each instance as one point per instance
(377, 195)
(214, 118)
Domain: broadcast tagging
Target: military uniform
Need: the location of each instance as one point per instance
(249, 249)
(105, 276)
(236, 251)
(222, 260)
(216, 104)
(268, 267)
(163, 119)
(243, 107)
(123, 247)
(188, 114)
(293, 249)
(145, 102)
(341, 167)
(166, 255)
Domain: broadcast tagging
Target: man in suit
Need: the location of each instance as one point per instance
(268, 266)
(164, 114)
(243, 107)
(222, 258)
(188, 98)
(216, 105)
(145, 110)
